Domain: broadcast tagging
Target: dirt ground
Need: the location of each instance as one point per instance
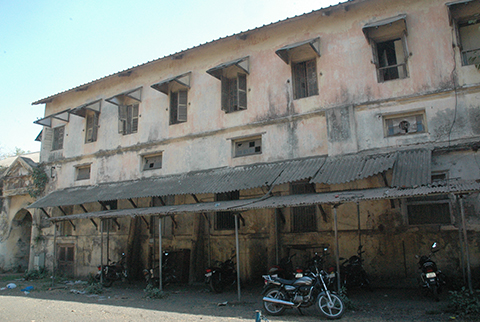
(66, 301)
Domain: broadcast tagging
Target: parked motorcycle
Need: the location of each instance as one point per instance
(114, 271)
(221, 275)
(431, 278)
(285, 270)
(352, 272)
(169, 275)
(280, 294)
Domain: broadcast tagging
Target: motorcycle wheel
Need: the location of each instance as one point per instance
(216, 284)
(272, 308)
(435, 293)
(331, 310)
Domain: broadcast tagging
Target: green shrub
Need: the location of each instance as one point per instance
(464, 302)
(35, 274)
(154, 293)
(94, 288)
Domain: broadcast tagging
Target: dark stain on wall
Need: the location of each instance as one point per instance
(338, 124)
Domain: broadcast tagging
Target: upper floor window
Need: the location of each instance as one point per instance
(403, 124)
(177, 89)
(389, 46)
(128, 110)
(58, 134)
(82, 172)
(152, 161)
(91, 113)
(247, 146)
(233, 77)
(303, 58)
(465, 15)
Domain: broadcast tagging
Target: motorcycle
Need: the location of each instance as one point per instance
(112, 272)
(280, 294)
(285, 270)
(169, 274)
(352, 272)
(431, 278)
(318, 262)
(221, 275)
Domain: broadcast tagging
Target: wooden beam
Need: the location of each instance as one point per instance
(65, 214)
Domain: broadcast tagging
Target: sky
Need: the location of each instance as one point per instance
(50, 46)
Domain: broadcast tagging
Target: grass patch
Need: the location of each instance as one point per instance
(94, 288)
(154, 293)
(464, 303)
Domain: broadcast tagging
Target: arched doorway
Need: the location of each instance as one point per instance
(19, 241)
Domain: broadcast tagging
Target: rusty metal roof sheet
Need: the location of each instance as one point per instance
(455, 187)
(354, 167)
(412, 168)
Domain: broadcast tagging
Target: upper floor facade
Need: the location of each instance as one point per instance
(363, 75)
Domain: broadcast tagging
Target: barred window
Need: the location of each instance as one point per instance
(225, 220)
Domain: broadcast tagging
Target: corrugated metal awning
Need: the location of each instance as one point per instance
(118, 99)
(311, 45)
(242, 63)
(183, 80)
(455, 187)
(47, 121)
(396, 25)
(82, 109)
(412, 168)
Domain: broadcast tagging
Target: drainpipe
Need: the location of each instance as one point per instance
(54, 252)
(337, 251)
(465, 240)
(101, 251)
(160, 259)
(238, 256)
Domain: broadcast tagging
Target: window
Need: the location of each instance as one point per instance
(429, 210)
(465, 16)
(304, 218)
(128, 119)
(225, 220)
(178, 107)
(58, 134)
(234, 93)
(249, 146)
(91, 126)
(305, 79)
(233, 77)
(389, 45)
(82, 173)
(151, 162)
(404, 124)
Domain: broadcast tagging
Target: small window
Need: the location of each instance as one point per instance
(151, 162)
(82, 173)
(91, 126)
(58, 134)
(128, 119)
(225, 220)
(404, 124)
(304, 219)
(178, 107)
(429, 210)
(234, 93)
(305, 79)
(246, 147)
(388, 39)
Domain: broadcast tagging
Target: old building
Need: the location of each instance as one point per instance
(357, 123)
(17, 184)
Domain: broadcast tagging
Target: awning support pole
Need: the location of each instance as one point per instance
(54, 252)
(359, 227)
(465, 241)
(277, 250)
(237, 246)
(337, 251)
(160, 257)
(101, 251)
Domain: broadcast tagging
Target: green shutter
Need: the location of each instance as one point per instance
(242, 91)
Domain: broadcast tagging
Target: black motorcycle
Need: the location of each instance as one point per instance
(280, 294)
(169, 274)
(317, 262)
(222, 275)
(114, 271)
(285, 269)
(431, 278)
(352, 273)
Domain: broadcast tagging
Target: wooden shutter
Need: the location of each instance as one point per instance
(182, 106)
(242, 91)
(299, 79)
(134, 125)
(96, 116)
(311, 71)
(173, 107)
(122, 119)
(225, 94)
(232, 95)
(58, 133)
(47, 138)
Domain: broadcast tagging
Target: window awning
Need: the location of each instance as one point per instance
(242, 63)
(455, 187)
(119, 99)
(461, 10)
(82, 109)
(47, 121)
(304, 49)
(386, 28)
(39, 137)
(182, 80)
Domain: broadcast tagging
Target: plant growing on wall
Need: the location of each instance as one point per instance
(40, 180)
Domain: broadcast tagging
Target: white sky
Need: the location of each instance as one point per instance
(49, 46)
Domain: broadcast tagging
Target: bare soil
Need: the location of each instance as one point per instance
(68, 301)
